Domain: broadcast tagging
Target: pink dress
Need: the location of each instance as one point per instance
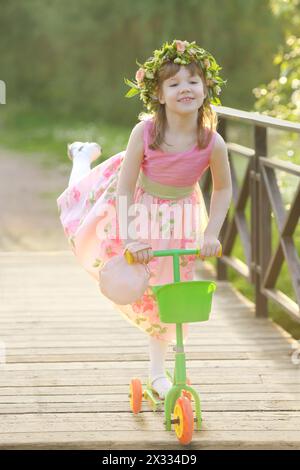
(165, 179)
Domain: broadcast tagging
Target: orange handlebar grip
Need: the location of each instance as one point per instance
(219, 254)
(129, 257)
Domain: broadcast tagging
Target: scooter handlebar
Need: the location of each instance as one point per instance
(130, 260)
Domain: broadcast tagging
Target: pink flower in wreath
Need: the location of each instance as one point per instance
(206, 63)
(181, 45)
(140, 74)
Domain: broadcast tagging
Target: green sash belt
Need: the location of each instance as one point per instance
(162, 190)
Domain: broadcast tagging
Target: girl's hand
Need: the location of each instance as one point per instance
(141, 252)
(210, 247)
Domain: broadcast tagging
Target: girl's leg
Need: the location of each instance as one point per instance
(82, 154)
(81, 167)
(158, 351)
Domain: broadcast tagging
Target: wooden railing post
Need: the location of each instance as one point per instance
(260, 223)
(222, 274)
(259, 184)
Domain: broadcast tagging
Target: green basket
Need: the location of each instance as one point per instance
(184, 302)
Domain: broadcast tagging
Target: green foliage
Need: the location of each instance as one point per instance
(44, 138)
(281, 96)
(181, 53)
(70, 57)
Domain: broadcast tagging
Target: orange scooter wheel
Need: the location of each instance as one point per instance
(183, 413)
(135, 395)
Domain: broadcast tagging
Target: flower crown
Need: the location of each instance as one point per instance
(182, 53)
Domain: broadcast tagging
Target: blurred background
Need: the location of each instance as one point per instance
(62, 72)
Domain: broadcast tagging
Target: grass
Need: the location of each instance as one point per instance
(45, 137)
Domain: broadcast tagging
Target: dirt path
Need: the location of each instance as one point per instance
(28, 212)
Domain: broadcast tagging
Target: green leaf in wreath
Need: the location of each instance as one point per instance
(131, 93)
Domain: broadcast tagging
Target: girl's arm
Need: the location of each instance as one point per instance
(220, 198)
(127, 180)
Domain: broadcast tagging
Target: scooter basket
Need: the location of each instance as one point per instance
(184, 302)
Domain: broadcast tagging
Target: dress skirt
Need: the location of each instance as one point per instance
(87, 211)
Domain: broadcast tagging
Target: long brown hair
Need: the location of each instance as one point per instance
(206, 119)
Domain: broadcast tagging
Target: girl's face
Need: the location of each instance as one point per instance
(180, 86)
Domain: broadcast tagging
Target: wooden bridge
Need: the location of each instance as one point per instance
(66, 356)
(70, 358)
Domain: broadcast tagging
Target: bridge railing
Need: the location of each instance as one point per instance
(259, 184)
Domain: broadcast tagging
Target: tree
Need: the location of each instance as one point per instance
(281, 96)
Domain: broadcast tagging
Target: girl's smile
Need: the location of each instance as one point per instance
(186, 100)
(183, 88)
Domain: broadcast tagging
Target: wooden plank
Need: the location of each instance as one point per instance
(235, 309)
(89, 378)
(130, 334)
(70, 358)
(74, 348)
(114, 404)
(108, 357)
(110, 322)
(226, 421)
(107, 397)
(242, 365)
(224, 388)
(23, 357)
(142, 342)
(109, 440)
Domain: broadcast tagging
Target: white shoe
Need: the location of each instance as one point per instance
(91, 149)
(160, 384)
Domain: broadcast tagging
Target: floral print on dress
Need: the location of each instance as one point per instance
(79, 207)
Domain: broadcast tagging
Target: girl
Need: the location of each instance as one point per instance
(167, 152)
